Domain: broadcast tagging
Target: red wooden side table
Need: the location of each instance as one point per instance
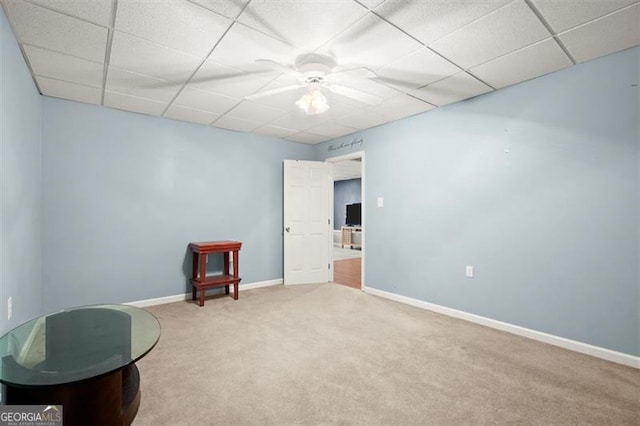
(200, 281)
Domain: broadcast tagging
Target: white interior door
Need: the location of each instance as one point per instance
(307, 224)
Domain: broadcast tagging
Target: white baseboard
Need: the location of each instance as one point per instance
(596, 351)
(187, 296)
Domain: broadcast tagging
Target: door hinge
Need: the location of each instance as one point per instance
(328, 221)
(328, 266)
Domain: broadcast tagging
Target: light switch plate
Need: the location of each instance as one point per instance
(380, 202)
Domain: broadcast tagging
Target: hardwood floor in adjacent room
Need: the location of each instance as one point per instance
(348, 272)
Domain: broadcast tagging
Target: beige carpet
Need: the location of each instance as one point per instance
(328, 354)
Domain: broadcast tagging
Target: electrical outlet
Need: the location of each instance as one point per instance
(9, 307)
(469, 271)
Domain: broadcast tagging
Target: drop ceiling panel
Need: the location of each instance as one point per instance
(229, 81)
(190, 115)
(284, 100)
(371, 42)
(364, 119)
(331, 130)
(133, 103)
(371, 86)
(505, 30)
(402, 106)
(52, 30)
(563, 14)
(180, 25)
(96, 11)
(204, 101)
(451, 89)
(228, 8)
(64, 67)
(308, 138)
(237, 124)
(71, 91)
(297, 120)
(430, 20)
(303, 24)
(130, 83)
(532, 61)
(144, 57)
(416, 70)
(278, 132)
(370, 4)
(339, 105)
(241, 47)
(609, 34)
(255, 112)
(159, 62)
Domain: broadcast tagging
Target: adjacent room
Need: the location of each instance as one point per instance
(320, 212)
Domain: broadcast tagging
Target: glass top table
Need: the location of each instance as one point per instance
(76, 344)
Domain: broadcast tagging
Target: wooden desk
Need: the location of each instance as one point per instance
(200, 281)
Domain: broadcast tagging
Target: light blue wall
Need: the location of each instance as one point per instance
(20, 144)
(344, 192)
(536, 186)
(125, 193)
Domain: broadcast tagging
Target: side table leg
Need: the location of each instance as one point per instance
(203, 274)
(236, 274)
(226, 269)
(194, 275)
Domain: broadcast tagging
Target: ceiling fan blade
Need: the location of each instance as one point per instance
(278, 66)
(274, 91)
(350, 74)
(355, 94)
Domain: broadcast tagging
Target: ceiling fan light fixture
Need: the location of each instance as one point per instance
(313, 102)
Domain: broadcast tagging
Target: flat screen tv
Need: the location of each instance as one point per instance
(354, 217)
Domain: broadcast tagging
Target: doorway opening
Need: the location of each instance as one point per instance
(347, 253)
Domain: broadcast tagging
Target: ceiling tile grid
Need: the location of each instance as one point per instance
(145, 57)
(65, 90)
(228, 8)
(563, 14)
(205, 101)
(237, 124)
(197, 60)
(71, 69)
(51, 30)
(94, 11)
(180, 25)
(415, 70)
(502, 31)
(441, 17)
(532, 61)
(133, 103)
(306, 137)
(131, 83)
(452, 89)
(303, 24)
(611, 33)
(189, 114)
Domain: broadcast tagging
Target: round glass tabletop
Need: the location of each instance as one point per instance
(76, 344)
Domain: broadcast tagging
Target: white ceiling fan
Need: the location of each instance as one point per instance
(315, 71)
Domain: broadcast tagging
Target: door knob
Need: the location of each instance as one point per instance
(287, 229)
